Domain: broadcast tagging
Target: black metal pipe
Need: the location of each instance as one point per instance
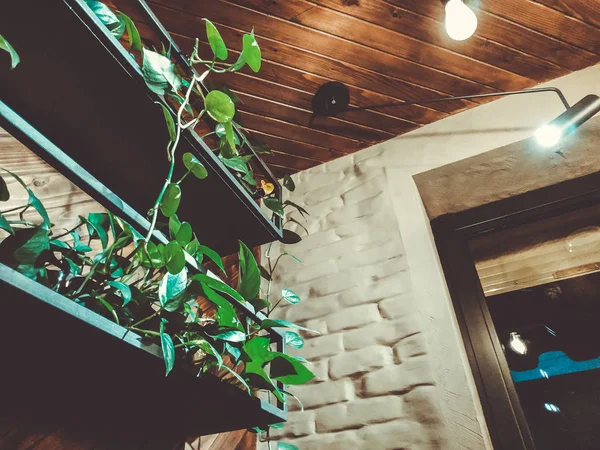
(468, 97)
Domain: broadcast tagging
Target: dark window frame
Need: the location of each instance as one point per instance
(504, 417)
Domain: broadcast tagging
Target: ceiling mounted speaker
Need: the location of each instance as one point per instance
(331, 98)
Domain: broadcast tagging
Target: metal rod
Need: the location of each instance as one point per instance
(468, 97)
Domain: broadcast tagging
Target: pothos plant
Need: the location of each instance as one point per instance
(144, 286)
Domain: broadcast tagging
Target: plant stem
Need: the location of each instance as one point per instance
(145, 319)
(183, 177)
(13, 209)
(173, 147)
(139, 330)
(68, 232)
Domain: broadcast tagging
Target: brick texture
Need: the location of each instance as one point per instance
(373, 387)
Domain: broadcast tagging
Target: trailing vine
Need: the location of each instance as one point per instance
(145, 286)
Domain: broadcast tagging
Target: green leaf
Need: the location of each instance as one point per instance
(288, 183)
(249, 178)
(168, 349)
(217, 45)
(286, 446)
(110, 309)
(219, 107)
(249, 280)
(290, 296)
(123, 289)
(60, 244)
(185, 234)
(289, 237)
(222, 133)
(260, 304)
(30, 251)
(226, 316)
(169, 121)
(170, 201)
(236, 163)
(264, 273)
(288, 370)
(107, 17)
(4, 193)
(231, 336)
(250, 53)
(135, 41)
(160, 74)
(293, 339)
(171, 287)
(174, 225)
(218, 285)
(233, 351)
(33, 201)
(260, 378)
(4, 225)
(277, 426)
(300, 209)
(240, 379)
(261, 148)
(97, 226)
(192, 164)
(192, 247)
(257, 349)
(274, 205)
(278, 323)
(14, 56)
(291, 219)
(213, 256)
(174, 257)
(79, 246)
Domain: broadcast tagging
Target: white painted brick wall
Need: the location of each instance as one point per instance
(374, 388)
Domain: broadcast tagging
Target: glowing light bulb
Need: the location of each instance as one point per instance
(551, 407)
(517, 344)
(461, 21)
(548, 135)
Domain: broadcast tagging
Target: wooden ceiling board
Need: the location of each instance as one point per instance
(384, 51)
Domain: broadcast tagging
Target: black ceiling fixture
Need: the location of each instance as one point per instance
(333, 99)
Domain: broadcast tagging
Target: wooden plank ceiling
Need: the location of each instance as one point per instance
(384, 50)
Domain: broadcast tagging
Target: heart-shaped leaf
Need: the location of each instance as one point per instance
(222, 133)
(231, 336)
(274, 205)
(226, 316)
(174, 257)
(250, 53)
(170, 201)
(171, 286)
(206, 347)
(293, 339)
(160, 74)
(174, 225)
(288, 370)
(255, 372)
(122, 288)
(257, 349)
(192, 164)
(236, 163)
(107, 17)
(290, 296)
(218, 285)
(38, 240)
(219, 107)
(184, 234)
(217, 45)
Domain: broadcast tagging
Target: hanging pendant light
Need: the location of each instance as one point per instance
(461, 21)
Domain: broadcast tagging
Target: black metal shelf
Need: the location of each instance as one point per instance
(78, 86)
(65, 363)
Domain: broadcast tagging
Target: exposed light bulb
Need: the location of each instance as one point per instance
(461, 21)
(517, 344)
(551, 407)
(548, 135)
